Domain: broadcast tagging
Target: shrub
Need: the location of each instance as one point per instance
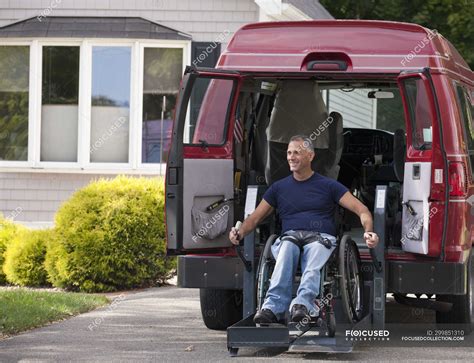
(8, 231)
(111, 235)
(24, 258)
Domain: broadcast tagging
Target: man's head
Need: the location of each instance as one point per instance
(300, 153)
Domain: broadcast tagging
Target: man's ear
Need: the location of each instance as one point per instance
(312, 156)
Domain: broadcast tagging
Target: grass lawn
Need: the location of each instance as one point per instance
(22, 309)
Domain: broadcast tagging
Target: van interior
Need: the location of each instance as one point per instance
(360, 153)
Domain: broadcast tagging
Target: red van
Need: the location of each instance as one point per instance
(387, 103)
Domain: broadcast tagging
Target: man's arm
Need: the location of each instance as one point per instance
(350, 202)
(262, 211)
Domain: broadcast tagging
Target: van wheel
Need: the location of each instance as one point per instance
(462, 312)
(220, 308)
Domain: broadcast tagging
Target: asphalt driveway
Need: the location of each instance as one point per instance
(164, 324)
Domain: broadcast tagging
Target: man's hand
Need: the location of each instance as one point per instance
(371, 239)
(234, 236)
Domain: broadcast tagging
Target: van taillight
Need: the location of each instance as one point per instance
(457, 179)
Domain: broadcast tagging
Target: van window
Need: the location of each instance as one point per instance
(208, 111)
(465, 105)
(420, 113)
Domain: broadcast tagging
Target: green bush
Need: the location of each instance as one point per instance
(24, 258)
(8, 231)
(111, 235)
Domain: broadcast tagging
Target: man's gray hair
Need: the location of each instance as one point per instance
(307, 142)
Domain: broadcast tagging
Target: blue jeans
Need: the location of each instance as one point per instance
(287, 254)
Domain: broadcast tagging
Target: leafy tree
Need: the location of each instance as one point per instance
(454, 19)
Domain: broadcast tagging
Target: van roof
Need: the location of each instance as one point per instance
(370, 46)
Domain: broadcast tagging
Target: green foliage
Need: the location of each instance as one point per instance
(8, 231)
(111, 235)
(24, 258)
(454, 19)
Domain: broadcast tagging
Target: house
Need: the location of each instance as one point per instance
(88, 88)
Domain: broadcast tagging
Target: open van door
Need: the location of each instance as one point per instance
(200, 168)
(425, 176)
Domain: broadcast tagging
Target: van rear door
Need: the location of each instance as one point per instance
(424, 190)
(200, 167)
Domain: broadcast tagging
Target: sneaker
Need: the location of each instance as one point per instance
(265, 316)
(299, 312)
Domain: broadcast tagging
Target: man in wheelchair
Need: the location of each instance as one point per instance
(306, 202)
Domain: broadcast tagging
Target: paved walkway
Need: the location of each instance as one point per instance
(164, 325)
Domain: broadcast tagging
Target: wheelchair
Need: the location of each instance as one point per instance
(341, 279)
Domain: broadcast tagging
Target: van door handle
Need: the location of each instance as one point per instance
(170, 195)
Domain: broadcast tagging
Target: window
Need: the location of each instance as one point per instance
(420, 113)
(14, 101)
(465, 105)
(162, 71)
(60, 103)
(110, 110)
(208, 111)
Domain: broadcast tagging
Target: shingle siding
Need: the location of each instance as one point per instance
(187, 16)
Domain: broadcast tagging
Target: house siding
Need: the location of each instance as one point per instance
(203, 19)
(35, 197)
(357, 110)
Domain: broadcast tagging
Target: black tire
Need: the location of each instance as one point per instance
(264, 271)
(220, 308)
(350, 279)
(462, 312)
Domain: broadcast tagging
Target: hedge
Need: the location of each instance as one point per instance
(110, 235)
(8, 231)
(24, 258)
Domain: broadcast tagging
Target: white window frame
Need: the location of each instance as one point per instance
(83, 164)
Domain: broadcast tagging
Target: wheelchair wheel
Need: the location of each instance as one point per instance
(350, 279)
(265, 270)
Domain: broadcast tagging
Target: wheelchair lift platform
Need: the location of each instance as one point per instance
(296, 337)
(292, 338)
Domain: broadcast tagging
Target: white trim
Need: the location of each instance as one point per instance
(83, 136)
(78, 170)
(457, 200)
(457, 155)
(34, 99)
(134, 116)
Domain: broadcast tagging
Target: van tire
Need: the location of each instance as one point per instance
(220, 308)
(462, 311)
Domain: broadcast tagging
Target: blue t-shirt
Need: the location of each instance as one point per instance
(306, 205)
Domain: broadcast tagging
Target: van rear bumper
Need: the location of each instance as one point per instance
(426, 277)
(404, 277)
(212, 272)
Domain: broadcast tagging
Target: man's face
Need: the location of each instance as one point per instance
(298, 156)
